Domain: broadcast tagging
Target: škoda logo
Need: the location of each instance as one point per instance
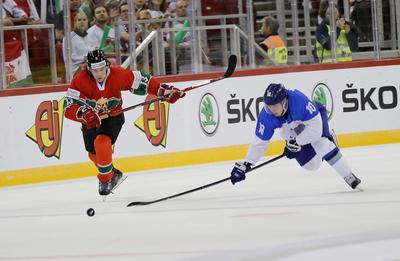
(322, 94)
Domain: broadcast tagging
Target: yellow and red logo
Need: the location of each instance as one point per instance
(47, 130)
(154, 121)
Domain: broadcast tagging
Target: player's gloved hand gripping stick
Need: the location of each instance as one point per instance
(141, 203)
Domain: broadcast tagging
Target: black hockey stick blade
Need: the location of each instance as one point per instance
(142, 203)
(229, 71)
(231, 66)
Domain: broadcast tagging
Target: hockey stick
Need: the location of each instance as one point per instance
(142, 203)
(229, 71)
(115, 113)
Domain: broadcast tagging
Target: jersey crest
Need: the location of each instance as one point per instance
(104, 105)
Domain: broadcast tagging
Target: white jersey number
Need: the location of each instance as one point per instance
(310, 108)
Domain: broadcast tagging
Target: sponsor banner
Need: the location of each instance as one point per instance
(222, 114)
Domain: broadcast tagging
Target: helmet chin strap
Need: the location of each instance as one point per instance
(284, 104)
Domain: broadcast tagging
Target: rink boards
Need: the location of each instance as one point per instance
(212, 123)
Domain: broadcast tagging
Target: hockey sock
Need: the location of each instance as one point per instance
(103, 147)
(339, 164)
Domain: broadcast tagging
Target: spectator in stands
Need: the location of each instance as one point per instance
(145, 14)
(158, 8)
(16, 14)
(362, 18)
(87, 6)
(124, 28)
(183, 38)
(273, 43)
(139, 5)
(123, 13)
(323, 5)
(171, 6)
(143, 30)
(113, 10)
(59, 19)
(102, 32)
(101, 29)
(346, 39)
(81, 41)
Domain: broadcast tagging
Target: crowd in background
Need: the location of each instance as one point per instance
(93, 24)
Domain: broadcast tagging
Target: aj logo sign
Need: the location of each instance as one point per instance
(154, 121)
(47, 130)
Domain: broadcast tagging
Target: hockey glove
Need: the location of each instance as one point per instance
(173, 93)
(293, 146)
(89, 117)
(292, 149)
(238, 172)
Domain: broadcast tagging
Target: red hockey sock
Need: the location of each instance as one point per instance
(103, 147)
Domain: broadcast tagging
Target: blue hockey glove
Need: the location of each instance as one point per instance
(238, 172)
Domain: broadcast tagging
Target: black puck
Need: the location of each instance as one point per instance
(90, 212)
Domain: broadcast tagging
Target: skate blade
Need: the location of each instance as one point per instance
(119, 183)
(360, 189)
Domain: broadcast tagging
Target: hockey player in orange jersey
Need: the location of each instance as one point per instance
(97, 91)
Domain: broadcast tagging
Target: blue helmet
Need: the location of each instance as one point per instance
(275, 93)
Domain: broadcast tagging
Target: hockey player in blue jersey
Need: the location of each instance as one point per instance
(304, 126)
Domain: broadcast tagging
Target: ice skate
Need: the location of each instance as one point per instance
(109, 187)
(117, 179)
(105, 188)
(353, 181)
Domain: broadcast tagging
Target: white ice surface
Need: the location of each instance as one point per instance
(280, 212)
